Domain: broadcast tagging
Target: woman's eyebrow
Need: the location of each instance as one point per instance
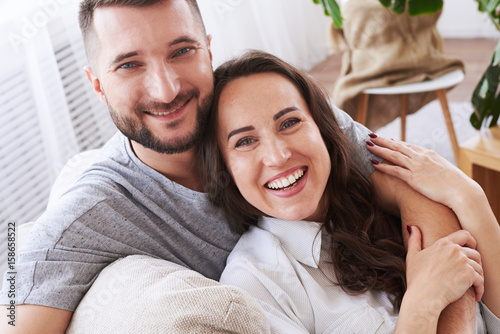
(283, 112)
(243, 129)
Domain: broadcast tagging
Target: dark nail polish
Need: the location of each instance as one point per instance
(375, 162)
(372, 135)
(408, 228)
(369, 143)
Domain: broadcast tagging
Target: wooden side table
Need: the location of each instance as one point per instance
(480, 159)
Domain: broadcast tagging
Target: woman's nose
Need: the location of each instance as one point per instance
(163, 84)
(275, 153)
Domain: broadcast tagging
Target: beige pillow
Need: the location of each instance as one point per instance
(140, 294)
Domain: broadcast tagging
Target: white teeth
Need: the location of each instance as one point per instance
(286, 181)
(164, 112)
(161, 113)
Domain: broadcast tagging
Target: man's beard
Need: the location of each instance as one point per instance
(139, 132)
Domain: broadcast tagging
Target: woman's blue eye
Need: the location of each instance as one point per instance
(244, 141)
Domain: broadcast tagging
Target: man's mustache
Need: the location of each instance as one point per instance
(179, 101)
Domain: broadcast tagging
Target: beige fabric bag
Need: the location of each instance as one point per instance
(383, 49)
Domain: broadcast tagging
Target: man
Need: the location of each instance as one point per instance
(150, 63)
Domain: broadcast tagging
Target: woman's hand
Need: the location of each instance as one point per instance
(444, 271)
(436, 277)
(425, 171)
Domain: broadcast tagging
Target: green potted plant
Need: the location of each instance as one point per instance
(486, 97)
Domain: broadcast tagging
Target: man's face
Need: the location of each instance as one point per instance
(154, 72)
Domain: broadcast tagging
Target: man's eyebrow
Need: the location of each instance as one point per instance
(183, 39)
(283, 112)
(243, 129)
(122, 56)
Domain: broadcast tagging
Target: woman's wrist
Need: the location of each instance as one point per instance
(473, 211)
(463, 196)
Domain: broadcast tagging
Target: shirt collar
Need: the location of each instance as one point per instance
(299, 238)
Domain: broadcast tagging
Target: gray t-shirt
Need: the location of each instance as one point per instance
(120, 207)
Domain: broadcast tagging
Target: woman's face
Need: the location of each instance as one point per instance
(273, 148)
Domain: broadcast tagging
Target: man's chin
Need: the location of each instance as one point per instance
(169, 146)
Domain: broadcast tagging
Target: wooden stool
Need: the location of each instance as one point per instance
(439, 85)
(480, 159)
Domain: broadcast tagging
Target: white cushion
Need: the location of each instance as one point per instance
(140, 294)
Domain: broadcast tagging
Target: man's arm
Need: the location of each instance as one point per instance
(37, 319)
(435, 221)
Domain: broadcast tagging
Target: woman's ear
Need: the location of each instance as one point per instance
(96, 84)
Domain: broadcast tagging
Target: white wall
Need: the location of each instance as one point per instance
(462, 19)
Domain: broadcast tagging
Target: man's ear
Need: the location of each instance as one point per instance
(209, 41)
(96, 84)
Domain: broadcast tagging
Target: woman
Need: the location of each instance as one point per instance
(330, 259)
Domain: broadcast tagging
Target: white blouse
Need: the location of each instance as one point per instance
(276, 262)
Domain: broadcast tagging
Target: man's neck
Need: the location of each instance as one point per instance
(180, 168)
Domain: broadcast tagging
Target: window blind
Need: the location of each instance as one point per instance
(90, 118)
(25, 181)
(48, 112)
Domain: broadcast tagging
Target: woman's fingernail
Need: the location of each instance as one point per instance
(375, 162)
(408, 228)
(369, 143)
(372, 135)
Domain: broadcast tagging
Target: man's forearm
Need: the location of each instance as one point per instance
(435, 221)
(37, 319)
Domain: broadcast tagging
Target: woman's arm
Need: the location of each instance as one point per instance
(434, 221)
(436, 277)
(439, 180)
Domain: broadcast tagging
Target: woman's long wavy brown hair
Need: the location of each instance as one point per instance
(367, 248)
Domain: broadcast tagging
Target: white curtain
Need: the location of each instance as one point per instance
(294, 30)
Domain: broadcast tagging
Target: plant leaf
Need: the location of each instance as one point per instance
(485, 99)
(332, 9)
(399, 6)
(385, 3)
(335, 13)
(495, 112)
(482, 5)
(419, 7)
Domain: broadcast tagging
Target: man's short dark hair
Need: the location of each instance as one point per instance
(88, 7)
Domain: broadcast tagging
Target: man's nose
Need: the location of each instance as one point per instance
(163, 84)
(275, 153)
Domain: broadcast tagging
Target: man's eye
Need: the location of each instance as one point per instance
(289, 122)
(244, 142)
(183, 51)
(127, 65)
